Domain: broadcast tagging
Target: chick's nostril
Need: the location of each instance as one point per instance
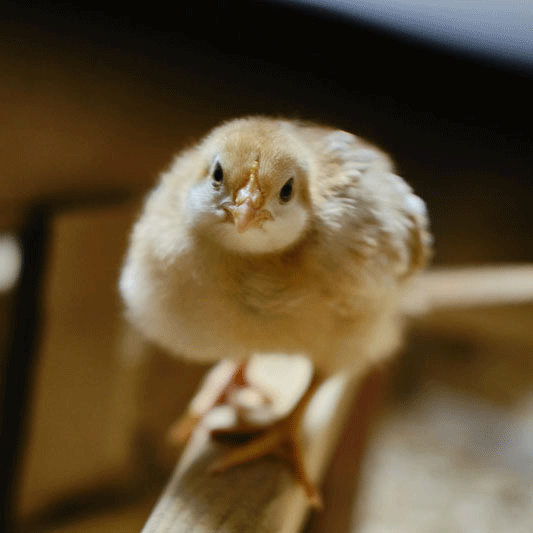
(250, 193)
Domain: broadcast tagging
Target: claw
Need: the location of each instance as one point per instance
(283, 436)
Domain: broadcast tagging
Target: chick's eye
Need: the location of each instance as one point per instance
(286, 191)
(218, 174)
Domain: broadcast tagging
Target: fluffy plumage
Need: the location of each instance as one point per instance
(222, 265)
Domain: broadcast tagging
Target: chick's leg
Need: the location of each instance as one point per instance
(217, 385)
(220, 386)
(283, 436)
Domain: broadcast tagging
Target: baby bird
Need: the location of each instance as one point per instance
(276, 236)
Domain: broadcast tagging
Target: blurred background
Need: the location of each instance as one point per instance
(96, 98)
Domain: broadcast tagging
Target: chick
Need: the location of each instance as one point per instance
(276, 236)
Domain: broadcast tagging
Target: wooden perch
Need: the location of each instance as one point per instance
(257, 496)
(262, 495)
(465, 287)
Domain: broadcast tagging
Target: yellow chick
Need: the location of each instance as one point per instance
(276, 236)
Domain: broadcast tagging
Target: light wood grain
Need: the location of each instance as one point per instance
(258, 496)
(470, 286)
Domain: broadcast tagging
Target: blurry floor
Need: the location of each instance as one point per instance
(454, 449)
(450, 463)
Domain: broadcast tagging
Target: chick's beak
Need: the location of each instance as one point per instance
(247, 207)
(243, 215)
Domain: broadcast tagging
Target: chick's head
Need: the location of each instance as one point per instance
(252, 195)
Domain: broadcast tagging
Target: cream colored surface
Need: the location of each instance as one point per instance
(83, 410)
(10, 261)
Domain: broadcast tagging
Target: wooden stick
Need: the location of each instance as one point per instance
(465, 287)
(258, 496)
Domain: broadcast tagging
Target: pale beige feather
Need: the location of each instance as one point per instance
(331, 294)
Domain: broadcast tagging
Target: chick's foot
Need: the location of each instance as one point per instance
(282, 437)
